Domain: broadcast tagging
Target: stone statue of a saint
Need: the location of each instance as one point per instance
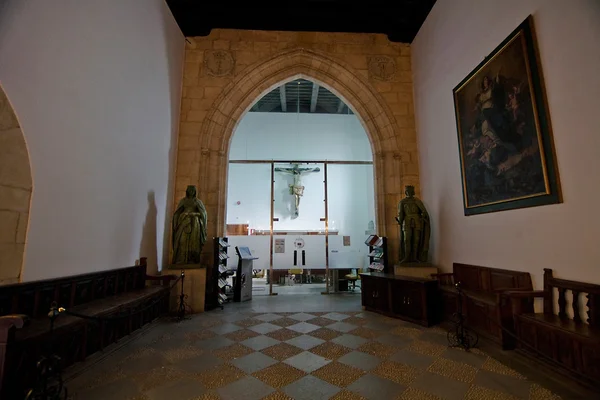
(414, 228)
(189, 228)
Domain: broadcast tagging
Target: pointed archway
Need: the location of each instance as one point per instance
(15, 194)
(373, 112)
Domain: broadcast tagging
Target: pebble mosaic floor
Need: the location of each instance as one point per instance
(298, 355)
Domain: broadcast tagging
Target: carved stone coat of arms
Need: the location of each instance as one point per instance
(382, 67)
(218, 62)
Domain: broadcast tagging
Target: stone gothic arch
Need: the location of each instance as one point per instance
(249, 86)
(15, 194)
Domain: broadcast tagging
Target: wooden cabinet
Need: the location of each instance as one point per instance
(382, 294)
(375, 294)
(407, 299)
(368, 292)
(410, 298)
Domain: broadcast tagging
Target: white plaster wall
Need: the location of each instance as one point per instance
(97, 87)
(292, 136)
(455, 38)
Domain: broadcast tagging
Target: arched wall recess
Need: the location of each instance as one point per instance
(16, 186)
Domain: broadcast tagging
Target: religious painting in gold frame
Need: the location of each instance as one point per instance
(504, 138)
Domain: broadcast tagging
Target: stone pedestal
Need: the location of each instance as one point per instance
(194, 286)
(419, 270)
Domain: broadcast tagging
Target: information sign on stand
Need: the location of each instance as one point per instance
(243, 284)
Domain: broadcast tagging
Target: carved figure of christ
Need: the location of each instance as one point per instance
(296, 189)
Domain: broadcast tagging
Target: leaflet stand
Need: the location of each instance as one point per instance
(378, 257)
(243, 282)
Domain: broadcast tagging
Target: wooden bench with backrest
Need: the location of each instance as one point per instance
(485, 306)
(120, 300)
(560, 333)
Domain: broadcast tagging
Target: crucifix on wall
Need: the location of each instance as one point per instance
(296, 189)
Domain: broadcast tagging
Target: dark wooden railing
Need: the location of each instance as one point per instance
(561, 335)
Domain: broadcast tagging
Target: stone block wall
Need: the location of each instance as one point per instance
(227, 71)
(15, 194)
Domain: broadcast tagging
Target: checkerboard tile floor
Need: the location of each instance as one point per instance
(312, 356)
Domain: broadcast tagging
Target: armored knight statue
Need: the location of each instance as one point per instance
(414, 228)
(189, 229)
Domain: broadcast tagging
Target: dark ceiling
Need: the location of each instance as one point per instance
(400, 20)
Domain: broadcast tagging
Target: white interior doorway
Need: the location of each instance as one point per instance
(306, 242)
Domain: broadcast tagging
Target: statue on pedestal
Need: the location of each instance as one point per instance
(189, 228)
(414, 228)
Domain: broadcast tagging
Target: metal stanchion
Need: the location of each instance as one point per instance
(460, 336)
(182, 304)
(49, 385)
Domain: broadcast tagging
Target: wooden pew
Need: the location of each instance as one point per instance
(485, 305)
(561, 335)
(122, 300)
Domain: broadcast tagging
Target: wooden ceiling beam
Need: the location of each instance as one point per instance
(283, 98)
(314, 97)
